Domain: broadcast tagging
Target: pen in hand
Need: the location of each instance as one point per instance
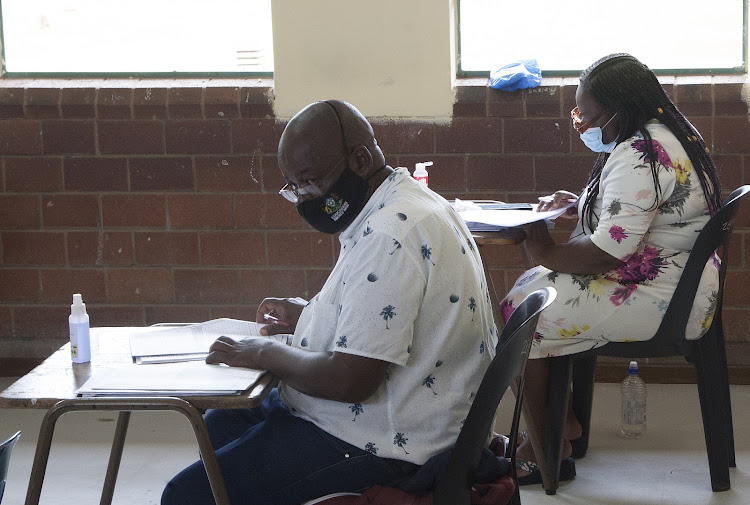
(274, 320)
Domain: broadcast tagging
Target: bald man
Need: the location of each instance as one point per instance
(384, 362)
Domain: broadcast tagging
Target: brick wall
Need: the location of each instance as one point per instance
(160, 204)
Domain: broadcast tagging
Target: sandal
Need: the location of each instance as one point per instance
(567, 471)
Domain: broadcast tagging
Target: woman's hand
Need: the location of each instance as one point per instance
(558, 200)
(285, 310)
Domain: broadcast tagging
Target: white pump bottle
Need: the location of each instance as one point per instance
(80, 341)
(420, 172)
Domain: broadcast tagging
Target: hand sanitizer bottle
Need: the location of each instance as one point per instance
(80, 343)
(420, 173)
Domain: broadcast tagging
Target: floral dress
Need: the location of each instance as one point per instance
(653, 242)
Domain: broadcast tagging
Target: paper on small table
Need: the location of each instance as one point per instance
(493, 220)
(189, 342)
(187, 378)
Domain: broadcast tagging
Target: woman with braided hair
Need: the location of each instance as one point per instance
(651, 190)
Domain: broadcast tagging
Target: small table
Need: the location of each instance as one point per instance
(52, 386)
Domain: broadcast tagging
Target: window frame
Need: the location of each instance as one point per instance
(575, 73)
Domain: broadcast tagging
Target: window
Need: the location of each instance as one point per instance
(138, 37)
(566, 37)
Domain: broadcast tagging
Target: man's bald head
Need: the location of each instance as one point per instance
(317, 137)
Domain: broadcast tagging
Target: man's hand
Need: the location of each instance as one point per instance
(242, 353)
(286, 310)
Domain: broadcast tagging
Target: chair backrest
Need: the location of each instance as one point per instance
(509, 363)
(5, 449)
(715, 235)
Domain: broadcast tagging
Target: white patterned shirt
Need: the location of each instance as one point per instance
(408, 288)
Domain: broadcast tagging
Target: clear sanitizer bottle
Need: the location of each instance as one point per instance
(420, 172)
(80, 341)
(633, 391)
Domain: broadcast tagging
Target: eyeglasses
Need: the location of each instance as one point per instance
(579, 126)
(292, 192)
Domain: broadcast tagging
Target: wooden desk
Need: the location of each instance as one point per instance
(52, 386)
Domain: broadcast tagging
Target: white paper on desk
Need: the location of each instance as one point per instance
(191, 378)
(178, 343)
(490, 220)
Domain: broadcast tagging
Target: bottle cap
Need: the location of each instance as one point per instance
(421, 169)
(633, 368)
(78, 308)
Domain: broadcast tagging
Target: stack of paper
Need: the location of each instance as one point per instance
(498, 218)
(186, 342)
(170, 379)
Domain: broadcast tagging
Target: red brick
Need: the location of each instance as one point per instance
(114, 103)
(108, 315)
(185, 103)
(20, 136)
(161, 174)
(140, 285)
(68, 136)
(244, 312)
(131, 137)
(19, 285)
(543, 101)
(6, 320)
(33, 248)
(206, 286)
(448, 172)
(500, 172)
(737, 288)
(222, 102)
(260, 284)
(100, 248)
(233, 248)
(731, 134)
(11, 103)
(37, 174)
(570, 173)
(200, 211)
(736, 322)
(728, 99)
(502, 256)
(256, 102)
(166, 248)
(705, 127)
(315, 279)
(41, 323)
(504, 103)
(300, 249)
(150, 103)
(568, 97)
(177, 314)
(256, 135)
(95, 174)
(78, 103)
(70, 211)
(133, 210)
(43, 102)
(273, 181)
(267, 211)
(694, 99)
(471, 100)
(195, 136)
(228, 173)
(537, 135)
(729, 168)
(19, 212)
(470, 135)
(405, 138)
(58, 285)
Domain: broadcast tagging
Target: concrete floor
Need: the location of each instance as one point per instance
(668, 466)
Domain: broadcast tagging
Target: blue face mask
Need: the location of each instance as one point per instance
(593, 139)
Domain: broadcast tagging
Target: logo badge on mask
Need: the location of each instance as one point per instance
(331, 213)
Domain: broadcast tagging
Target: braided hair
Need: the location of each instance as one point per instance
(622, 84)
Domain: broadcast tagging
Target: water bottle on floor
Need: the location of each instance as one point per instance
(633, 392)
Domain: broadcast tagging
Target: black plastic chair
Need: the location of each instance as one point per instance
(5, 449)
(708, 355)
(509, 364)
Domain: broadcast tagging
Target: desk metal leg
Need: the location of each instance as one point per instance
(124, 406)
(115, 456)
